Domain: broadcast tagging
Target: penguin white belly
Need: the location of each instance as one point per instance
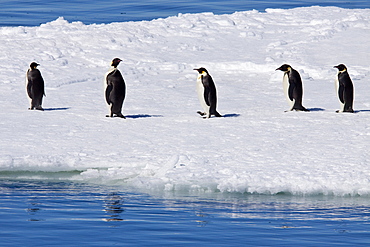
(337, 93)
(200, 91)
(286, 90)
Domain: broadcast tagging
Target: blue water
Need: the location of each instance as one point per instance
(37, 213)
(33, 13)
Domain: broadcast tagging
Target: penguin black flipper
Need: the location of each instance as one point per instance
(206, 79)
(108, 91)
(212, 97)
(207, 96)
(295, 88)
(29, 87)
(291, 91)
(347, 86)
(348, 93)
(341, 93)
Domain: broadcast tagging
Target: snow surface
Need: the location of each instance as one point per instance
(163, 145)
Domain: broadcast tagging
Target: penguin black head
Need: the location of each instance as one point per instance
(341, 67)
(115, 62)
(201, 70)
(34, 65)
(284, 67)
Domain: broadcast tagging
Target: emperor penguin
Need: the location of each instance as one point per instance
(207, 94)
(293, 87)
(115, 90)
(35, 86)
(344, 88)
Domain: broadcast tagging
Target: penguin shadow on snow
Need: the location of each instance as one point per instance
(358, 111)
(321, 109)
(57, 109)
(220, 116)
(142, 116)
(315, 109)
(231, 115)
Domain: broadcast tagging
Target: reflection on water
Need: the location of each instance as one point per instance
(203, 218)
(33, 209)
(65, 213)
(113, 207)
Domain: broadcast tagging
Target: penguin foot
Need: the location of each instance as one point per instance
(217, 114)
(303, 110)
(349, 111)
(300, 109)
(115, 115)
(39, 108)
(201, 113)
(120, 115)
